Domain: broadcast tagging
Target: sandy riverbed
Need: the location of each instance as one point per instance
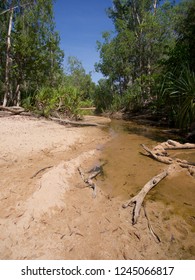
(52, 214)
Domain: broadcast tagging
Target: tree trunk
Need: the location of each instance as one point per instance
(155, 6)
(18, 96)
(7, 66)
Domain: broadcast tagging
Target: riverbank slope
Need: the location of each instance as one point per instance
(47, 212)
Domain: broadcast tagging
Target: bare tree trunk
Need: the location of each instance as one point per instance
(155, 6)
(7, 66)
(18, 96)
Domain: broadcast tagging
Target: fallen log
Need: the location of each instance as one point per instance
(14, 110)
(174, 145)
(164, 158)
(158, 156)
(74, 123)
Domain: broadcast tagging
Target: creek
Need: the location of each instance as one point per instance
(128, 170)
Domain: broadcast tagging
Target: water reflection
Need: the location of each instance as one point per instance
(151, 132)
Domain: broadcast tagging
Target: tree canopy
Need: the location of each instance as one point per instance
(29, 46)
(151, 40)
(31, 68)
(148, 61)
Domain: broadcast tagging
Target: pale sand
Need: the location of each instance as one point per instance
(52, 214)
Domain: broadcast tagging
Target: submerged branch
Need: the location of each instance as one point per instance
(139, 198)
(159, 153)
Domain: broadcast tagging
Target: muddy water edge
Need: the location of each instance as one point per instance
(127, 171)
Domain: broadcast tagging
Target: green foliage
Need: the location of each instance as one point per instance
(108, 99)
(103, 95)
(179, 95)
(86, 103)
(144, 60)
(65, 101)
(77, 77)
(132, 58)
(75, 90)
(28, 103)
(176, 97)
(34, 56)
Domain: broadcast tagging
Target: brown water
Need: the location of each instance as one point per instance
(128, 170)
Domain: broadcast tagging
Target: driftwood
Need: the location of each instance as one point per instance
(174, 145)
(162, 157)
(15, 110)
(88, 179)
(160, 154)
(156, 237)
(139, 198)
(74, 123)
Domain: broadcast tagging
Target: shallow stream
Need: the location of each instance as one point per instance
(128, 170)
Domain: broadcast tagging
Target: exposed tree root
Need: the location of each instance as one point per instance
(160, 154)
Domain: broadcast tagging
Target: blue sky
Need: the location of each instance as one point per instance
(80, 24)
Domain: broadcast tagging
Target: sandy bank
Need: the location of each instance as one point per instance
(47, 212)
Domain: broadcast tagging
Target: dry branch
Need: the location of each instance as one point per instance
(158, 156)
(191, 170)
(159, 153)
(156, 237)
(14, 110)
(41, 170)
(74, 123)
(139, 198)
(174, 145)
(88, 180)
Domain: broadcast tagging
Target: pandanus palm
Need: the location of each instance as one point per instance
(179, 90)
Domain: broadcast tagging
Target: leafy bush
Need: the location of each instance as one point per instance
(103, 96)
(179, 95)
(64, 100)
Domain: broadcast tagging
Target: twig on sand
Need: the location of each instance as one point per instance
(41, 170)
(156, 237)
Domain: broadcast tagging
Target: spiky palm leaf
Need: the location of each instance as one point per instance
(180, 94)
